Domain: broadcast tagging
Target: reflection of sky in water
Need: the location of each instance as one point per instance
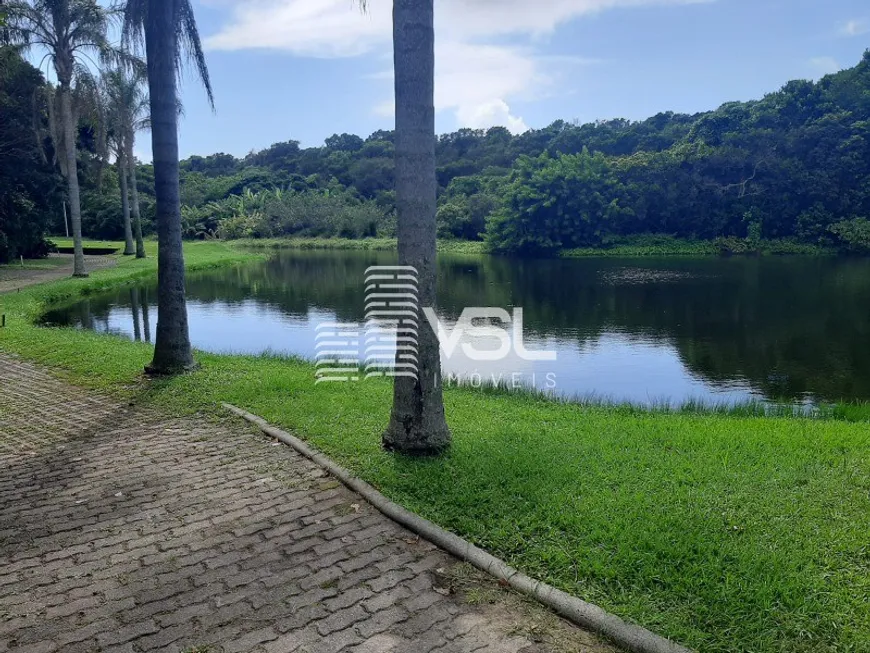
(614, 366)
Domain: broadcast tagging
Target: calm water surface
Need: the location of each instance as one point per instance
(639, 330)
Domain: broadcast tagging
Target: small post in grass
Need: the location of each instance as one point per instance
(3, 321)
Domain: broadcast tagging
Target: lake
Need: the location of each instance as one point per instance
(641, 330)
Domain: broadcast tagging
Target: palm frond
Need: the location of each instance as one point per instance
(68, 31)
(188, 40)
(188, 45)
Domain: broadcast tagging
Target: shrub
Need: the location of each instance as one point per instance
(556, 203)
(852, 235)
(312, 214)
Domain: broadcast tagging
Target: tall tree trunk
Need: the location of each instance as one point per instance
(417, 423)
(72, 177)
(134, 196)
(125, 204)
(172, 352)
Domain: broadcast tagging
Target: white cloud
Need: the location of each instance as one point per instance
(337, 28)
(855, 27)
(821, 66)
(489, 114)
(474, 77)
(476, 81)
(316, 28)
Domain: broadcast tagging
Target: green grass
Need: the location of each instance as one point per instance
(34, 264)
(663, 245)
(725, 531)
(62, 241)
(371, 244)
(643, 245)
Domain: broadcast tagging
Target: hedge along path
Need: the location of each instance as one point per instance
(586, 615)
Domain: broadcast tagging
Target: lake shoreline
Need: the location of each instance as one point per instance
(654, 247)
(643, 247)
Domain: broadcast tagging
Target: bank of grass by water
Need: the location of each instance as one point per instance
(661, 245)
(725, 532)
(369, 244)
(634, 246)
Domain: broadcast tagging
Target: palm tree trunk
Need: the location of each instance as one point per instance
(125, 204)
(417, 423)
(134, 196)
(172, 351)
(72, 177)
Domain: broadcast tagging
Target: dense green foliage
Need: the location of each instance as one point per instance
(275, 213)
(785, 173)
(792, 167)
(30, 189)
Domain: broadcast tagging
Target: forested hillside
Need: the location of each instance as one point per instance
(794, 166)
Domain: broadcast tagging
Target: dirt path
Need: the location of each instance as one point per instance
(122, 530)
(57, 266)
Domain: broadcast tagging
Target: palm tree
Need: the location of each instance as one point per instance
(69, 31)
(169, 30)
(134, 194)
(126, 105)
(129, 248)
(417, 423)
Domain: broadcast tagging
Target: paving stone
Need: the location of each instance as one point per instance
(378, 644)
(381, 621)
(249, 640)
(341, 619)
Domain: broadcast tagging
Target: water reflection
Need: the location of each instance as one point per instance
(635, 329)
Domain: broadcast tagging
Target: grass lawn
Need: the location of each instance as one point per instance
(34, 264)
(658, 245)
(641, 246)
(724, 532)
(63, 241)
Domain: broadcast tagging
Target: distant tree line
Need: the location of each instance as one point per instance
(794, 165)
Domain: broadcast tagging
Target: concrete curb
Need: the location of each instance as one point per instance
(629, 636)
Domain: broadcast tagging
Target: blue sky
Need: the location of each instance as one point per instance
(305, 69)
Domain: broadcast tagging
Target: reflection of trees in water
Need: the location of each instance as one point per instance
(140, 311)
(146, 318)
(787, 325)
(134, 305)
